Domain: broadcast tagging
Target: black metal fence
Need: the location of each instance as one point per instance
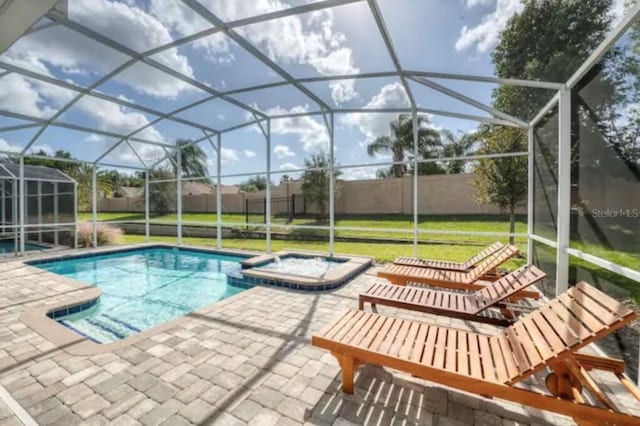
(283, 209)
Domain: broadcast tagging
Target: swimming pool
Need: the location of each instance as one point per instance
(142, 288)
(314, 267)
(9, 247)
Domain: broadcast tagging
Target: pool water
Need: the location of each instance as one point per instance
(144, 288)
(9, 247)
(314, 267)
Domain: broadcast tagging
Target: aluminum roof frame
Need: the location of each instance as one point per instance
(61, 177)
(228, 28)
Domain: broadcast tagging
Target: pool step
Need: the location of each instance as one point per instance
(102, 328)
(122, 323)
(103, 325)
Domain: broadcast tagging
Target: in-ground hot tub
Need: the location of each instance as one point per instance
(300, 270)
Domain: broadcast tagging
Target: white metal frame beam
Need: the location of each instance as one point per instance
(564, 192)
(386, 37)
(467, 100)
(77, 27)
(92, 91)
(232, 34)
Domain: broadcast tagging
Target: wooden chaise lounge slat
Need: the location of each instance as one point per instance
(402, 274)
(453, 266)
(467, 305)
(548, 337)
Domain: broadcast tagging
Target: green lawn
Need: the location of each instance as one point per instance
(475, 223)
(381, 252)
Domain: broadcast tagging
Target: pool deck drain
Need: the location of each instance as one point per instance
(245, 362)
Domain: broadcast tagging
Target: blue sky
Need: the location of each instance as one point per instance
(454, 36)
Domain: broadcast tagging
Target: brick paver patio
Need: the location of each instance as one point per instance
(248, 362)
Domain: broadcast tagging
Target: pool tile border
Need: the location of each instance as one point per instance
(350, 267)
(128, 249)
(77, 344)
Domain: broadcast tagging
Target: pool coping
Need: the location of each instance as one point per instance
(76, 344)
(73, 343)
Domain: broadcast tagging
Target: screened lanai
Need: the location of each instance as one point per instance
(292, 97)
(44, 217)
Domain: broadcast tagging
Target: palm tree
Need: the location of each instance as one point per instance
(400, 142)
(194, 159)
(457, 145)
(83, 175)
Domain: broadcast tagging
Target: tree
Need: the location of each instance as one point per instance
(83, 175)
(255, 184)
(46, 160)
(457, 145)
(162, 195)
(194, 159)
(285, 178)
(548, 41)
(502, 181)
(400, 143)
(315, 184)
(118, 179)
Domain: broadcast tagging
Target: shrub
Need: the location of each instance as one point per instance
(107, 234)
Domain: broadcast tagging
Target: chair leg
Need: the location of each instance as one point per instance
(347, 374)
(348, 365)
(360, 303)
(563, 384)
(506, 312)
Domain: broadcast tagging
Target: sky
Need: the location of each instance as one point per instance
(454, 36)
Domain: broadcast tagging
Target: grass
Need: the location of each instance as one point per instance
(475, 223)
(387, 252)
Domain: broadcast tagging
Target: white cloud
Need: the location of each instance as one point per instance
(283, 151)
(31, 97)
(485, 35)
(222, 117)
(8, 147)
(358, 174)
(312, 134)
(248, 153)
(184, 21)
(472, 3)
(39, 99)
(309, 39)
(112, 117)
(229, 156)
(124, 154)
(373, 125)
(93, 138)
(75, 54)
(289, 166)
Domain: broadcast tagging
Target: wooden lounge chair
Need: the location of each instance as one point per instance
(450, 266)
(492, 366)
(466, 305)
(402, 275)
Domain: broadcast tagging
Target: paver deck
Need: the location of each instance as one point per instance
(248, 362)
